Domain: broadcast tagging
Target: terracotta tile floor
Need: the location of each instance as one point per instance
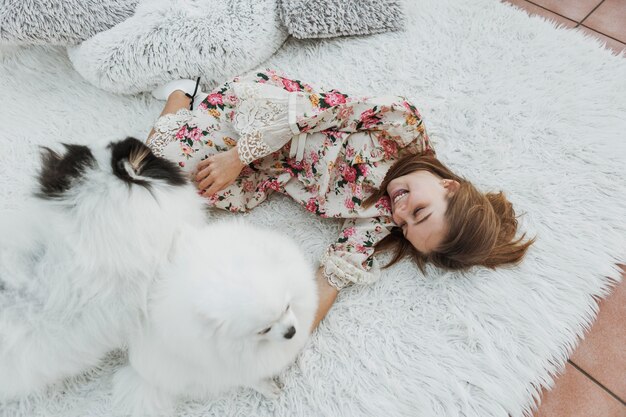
(604, 19)
(593, 383)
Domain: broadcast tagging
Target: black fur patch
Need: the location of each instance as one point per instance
(148, 166)
(58, 172)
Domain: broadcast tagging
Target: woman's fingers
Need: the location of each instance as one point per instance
(204, 163)
(215, 187)
(202, 174)
(207, 182)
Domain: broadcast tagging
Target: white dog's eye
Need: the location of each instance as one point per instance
(265, 330)
(287, 309)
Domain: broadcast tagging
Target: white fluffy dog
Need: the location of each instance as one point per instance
(233, 309)
(77, 261)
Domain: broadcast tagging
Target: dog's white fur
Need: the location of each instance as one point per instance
(75, 269)
(226, 284)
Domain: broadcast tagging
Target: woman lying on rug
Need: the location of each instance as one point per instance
(366, 160)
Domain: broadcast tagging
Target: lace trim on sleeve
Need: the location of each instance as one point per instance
(340, 273)
(251, 147)
(165, 129)
(262, 119)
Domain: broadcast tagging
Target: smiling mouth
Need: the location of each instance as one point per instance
(399, 195)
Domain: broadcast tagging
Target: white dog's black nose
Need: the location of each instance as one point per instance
(290, 332)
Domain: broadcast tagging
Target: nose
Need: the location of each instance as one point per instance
(397, 216)
(290, 332)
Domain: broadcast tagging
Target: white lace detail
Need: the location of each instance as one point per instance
(165, 129)
(251, 147)
(262, 119)
(340, 273)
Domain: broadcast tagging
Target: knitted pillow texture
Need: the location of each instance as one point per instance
(59, 22)
(172, 39)
(329, 18)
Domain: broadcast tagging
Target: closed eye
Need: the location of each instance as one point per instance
(264, 331)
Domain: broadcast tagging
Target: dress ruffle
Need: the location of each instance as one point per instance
(165, 130)
(341, 273)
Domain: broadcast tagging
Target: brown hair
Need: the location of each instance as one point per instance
(481, 227)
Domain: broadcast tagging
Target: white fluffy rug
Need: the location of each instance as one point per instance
(512, 103)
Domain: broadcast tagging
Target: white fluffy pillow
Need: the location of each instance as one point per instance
(166, 40)
(59, 22)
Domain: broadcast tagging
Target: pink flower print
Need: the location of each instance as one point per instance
(411, 109)
(195, 134)
(212, 199)
(290, 85)
(350, 151)
(203, 105)
(345, 112)
(350, 231)
(334, 99)
(248, 186)
(360, 248)
(315, 157)
(271, 184)
(231, 99)
(378, 228)
(186, 149)
(294, 164)
(349, 203)
(333, 133)
(369, 118)
(181, 164)
(311, 205)
(215, 99)
(384, 205)
(390, 147)
(349, 174)
(182, 132)
(364, 169)
(308, 171)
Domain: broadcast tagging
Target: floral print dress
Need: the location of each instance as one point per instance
(327, 150)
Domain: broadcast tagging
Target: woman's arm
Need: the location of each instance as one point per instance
(327, 295)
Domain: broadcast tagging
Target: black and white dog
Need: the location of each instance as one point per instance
(77, 260)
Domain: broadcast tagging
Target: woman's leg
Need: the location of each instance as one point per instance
(176, 101)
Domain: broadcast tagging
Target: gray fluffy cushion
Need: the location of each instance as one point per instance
(172, 39)
(328, 18)
(59, 22)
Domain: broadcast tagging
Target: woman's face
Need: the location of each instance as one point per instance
(418, 203)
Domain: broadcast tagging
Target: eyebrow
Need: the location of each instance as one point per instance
(423, 219)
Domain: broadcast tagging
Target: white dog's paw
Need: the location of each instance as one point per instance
(270, 388)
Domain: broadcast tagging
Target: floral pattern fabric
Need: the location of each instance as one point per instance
(327, 150)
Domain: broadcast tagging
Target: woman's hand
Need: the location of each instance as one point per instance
(218, 171)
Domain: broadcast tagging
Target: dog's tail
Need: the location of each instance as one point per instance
(134, 396)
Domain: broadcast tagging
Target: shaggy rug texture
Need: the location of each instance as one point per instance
(328, 18)
(59, 22)
(512, 103)
(170, 39)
